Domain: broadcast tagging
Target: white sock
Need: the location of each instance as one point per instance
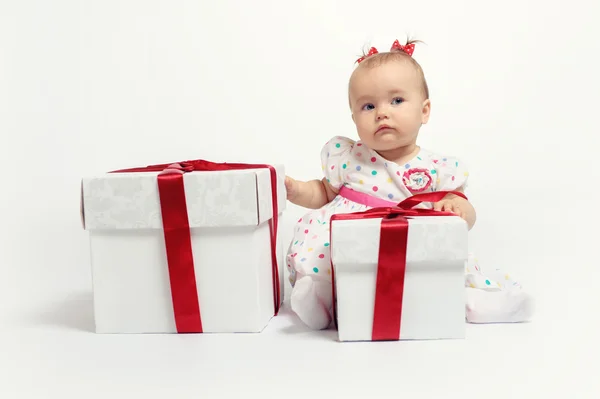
(498, 306)
(309, 302)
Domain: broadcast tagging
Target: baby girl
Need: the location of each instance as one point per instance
(389, 101)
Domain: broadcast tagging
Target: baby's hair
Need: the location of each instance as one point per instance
(371, 61)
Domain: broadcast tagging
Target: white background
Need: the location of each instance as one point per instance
(92, 86)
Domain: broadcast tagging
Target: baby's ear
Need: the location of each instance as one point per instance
(425, 112)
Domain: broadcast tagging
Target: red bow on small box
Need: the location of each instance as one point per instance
(178, 241)
(391, 266)
(396, 46)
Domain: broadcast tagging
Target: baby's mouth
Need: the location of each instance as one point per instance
(382, 128)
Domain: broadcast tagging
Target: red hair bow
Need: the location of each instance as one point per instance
(408, 49)
(372, 51)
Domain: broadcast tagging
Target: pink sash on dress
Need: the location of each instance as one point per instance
(364, 199)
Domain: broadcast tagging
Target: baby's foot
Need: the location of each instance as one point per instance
(503, 306)
(307, 304)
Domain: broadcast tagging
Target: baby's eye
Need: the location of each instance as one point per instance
(397, 100)
(368, 107)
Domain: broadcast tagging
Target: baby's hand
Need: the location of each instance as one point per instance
(454, 204)
(459, 206)
(292, 188)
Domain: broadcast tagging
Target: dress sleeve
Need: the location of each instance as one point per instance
(452, 174)
(334, 155)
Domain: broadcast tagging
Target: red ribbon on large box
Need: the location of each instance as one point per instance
(178, 240)
(391, 266)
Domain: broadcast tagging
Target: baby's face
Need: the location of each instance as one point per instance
(388, 105)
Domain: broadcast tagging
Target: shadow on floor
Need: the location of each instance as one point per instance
(288, 323)
(75, 312)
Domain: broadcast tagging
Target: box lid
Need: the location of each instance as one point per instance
(355, 243)
(213, 198)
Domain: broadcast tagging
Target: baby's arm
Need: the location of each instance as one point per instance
(315, 194)
(311, 194)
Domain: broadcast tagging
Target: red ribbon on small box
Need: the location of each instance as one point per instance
(178, 240)
(391, 265)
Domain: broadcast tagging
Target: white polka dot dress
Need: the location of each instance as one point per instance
(353, 165)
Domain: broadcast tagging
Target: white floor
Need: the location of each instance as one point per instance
(49, 350)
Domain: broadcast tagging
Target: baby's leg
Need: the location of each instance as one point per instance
(494, 297)
(308, 260)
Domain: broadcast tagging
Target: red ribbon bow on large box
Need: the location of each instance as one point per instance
(178, 239)
(391, 266)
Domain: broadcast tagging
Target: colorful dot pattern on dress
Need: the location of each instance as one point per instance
(485, 278)
(354, 165)
(377, 176)
(371, 170)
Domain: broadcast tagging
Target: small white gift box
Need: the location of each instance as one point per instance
(185, 252)
(424, 298)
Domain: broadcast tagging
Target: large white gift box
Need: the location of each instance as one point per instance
(141, 281)
(431, 297)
